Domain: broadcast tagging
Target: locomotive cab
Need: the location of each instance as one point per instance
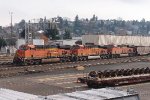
(22, 53)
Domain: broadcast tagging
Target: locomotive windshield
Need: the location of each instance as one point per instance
(75, 47)
(23, 47)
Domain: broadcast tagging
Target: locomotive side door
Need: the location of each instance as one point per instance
(32, 52)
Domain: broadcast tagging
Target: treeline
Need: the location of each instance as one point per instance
(7, 42)
(95, 25)
(63, 28)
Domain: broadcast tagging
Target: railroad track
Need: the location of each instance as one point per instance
(6, 57)
(11, 70)
(6, 63)
(10, 62)
(6, 60)
(126, 59)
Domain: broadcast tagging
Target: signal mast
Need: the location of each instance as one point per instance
(28, 34)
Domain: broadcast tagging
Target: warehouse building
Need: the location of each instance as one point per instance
(20, 42)
(67, 41)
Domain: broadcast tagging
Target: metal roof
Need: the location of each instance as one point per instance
(96, 94)
(67, 42)
(6, 94)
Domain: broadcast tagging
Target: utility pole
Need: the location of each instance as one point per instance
(25, 32)
(11, 13)
(11, 27)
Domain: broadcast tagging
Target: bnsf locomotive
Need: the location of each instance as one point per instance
(33, 54)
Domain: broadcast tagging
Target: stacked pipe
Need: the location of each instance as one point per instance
(116, 77)
(119, 72)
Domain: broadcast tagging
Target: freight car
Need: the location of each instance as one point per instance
(116, 77)
(143, 50)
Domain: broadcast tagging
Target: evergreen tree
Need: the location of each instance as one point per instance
(60, 20)
(94, 18)
(77, 26)
(22, 34)
(67, 34)
(52, 32)
(66, 23)
(11, 41)
(2, 43)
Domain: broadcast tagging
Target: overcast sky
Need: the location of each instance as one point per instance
(104, 9)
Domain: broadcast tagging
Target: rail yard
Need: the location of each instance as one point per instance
(52, 69)
(54, 78)
(54, 50)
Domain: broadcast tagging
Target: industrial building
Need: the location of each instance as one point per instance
(67, 41)
(20, 42)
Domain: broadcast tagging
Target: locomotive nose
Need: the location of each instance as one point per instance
(18, 56)
(20, 53)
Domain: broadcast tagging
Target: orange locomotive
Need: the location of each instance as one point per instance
(116, 52)
(82, 52)
(32, 54)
